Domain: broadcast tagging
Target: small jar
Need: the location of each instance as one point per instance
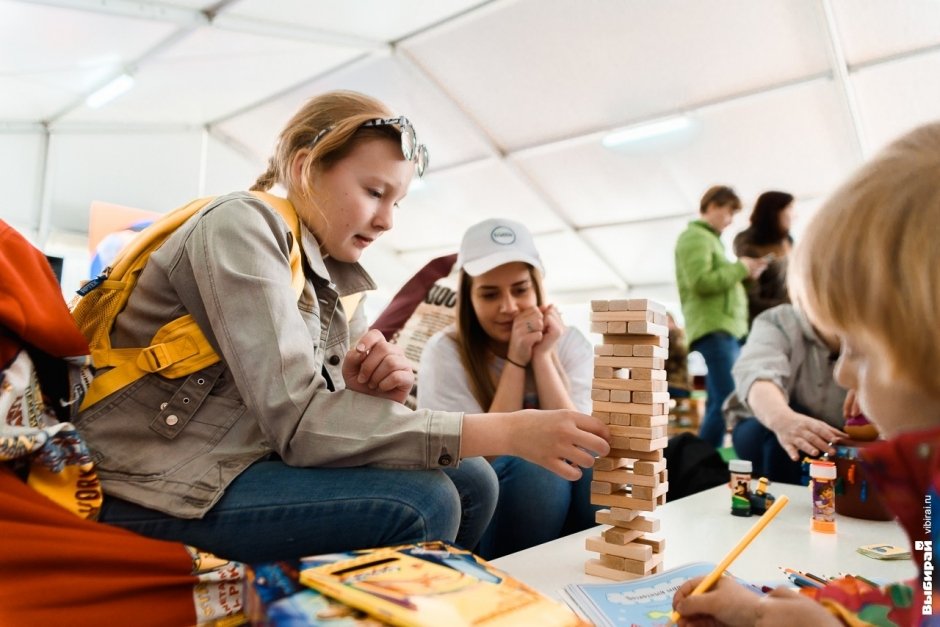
(823, 475)
(740, 484)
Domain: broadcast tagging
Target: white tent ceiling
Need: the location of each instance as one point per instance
(511, 96)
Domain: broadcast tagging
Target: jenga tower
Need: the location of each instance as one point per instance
(630, 395)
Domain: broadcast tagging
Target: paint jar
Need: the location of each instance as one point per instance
(740, 484)
(823, 476)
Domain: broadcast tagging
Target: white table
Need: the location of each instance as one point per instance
(701, 528)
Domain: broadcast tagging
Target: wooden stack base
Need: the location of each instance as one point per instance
(630, 395)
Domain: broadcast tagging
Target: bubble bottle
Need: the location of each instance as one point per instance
(823, 475)
(740, 483)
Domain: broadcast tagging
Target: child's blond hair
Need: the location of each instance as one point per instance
(868, 263)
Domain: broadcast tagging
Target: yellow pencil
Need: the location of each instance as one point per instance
(713, 576)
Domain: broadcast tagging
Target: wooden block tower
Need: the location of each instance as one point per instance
(630, 395)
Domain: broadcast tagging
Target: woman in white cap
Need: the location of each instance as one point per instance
(509, 350)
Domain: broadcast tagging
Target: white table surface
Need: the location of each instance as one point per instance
(701, 528)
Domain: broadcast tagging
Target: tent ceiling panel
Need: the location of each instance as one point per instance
(227, 70)
(901, 26)
(438, 213)
(642, 253)
(20, 162)
(450, 137)
(51, 57)
(373, 19)
(227, 169)
(124, 171)
(571, 265)
(527, 85)
(896, 97)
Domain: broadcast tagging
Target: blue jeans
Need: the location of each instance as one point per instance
(535, 506)
(274, 511)
(755, 442)
(720, 351)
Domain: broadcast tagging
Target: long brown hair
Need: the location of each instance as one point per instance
(473, 343)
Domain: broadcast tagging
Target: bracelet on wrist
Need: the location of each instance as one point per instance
(516, 363)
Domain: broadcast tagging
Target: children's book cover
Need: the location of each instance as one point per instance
(431, 584)
(644, 602)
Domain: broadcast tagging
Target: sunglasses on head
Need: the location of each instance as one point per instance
(410, 148)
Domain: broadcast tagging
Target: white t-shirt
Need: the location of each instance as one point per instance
(443, 383)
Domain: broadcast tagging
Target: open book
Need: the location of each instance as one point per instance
(646, 601)
(431, 584)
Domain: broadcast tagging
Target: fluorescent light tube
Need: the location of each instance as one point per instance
(646, 130)
(109, 92)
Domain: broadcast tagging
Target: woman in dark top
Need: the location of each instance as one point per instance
(768, 237)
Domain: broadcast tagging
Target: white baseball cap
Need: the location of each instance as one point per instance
(495, 242)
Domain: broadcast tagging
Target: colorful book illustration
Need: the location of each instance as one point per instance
(431, 584)
(638, 602)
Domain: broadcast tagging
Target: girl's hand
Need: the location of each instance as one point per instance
(378, 368)
(797, 432)
(552, 328)
(726, 603)
(526, 333)
(561, 440)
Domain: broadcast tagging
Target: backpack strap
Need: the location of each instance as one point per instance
(179, 348)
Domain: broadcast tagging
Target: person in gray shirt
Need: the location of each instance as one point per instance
(785, 401)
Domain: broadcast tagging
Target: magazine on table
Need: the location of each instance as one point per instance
(646, 601)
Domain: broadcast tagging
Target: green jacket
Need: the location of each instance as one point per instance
(710, 287)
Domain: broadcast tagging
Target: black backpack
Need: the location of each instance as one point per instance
(694, 465)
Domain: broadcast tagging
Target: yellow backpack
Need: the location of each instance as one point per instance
(179, 348)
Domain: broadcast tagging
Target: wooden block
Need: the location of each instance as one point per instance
(607, 464)
(634, 567)
(605, 349)
(621, 316)
(646, 456)
(638, 444)
(657, 363)
(642, 420)
(629, 384)
(647, 328)
(623, 350)
(595, 568)
(616, 517)
(603, 487)
(599, 327)
(646, 468)
(664, 475)
(618, 327)
(658, 544)
(624, 476)
(620, 419)
(618, 396)
(618, 535)
(644, 433)
(603, 416)
(630, 408)
(635, 304)
(641, 350)
(633, 551)
(622, 499)
(602, 372)
(659, 501)
(600, 395)
(651, 397)
(637, 340)
(599, 305)
(658, 568)
(648, 493)
(645, 374)
(641, 523)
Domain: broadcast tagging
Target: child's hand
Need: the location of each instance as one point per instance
(558, 439)
(727, 603)
(797, 432)
(377, 368)
(526, 333)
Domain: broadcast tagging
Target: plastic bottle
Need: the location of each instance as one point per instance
(740, 484)
(823, 475)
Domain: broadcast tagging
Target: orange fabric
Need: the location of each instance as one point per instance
(31, 304)
(56, 568)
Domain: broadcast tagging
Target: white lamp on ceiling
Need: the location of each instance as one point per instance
(110, 91)
(646, 130)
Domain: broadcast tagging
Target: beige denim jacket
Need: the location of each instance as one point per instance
(174, 444)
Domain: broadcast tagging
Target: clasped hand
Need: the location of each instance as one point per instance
(377, 368)
(534, 331)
